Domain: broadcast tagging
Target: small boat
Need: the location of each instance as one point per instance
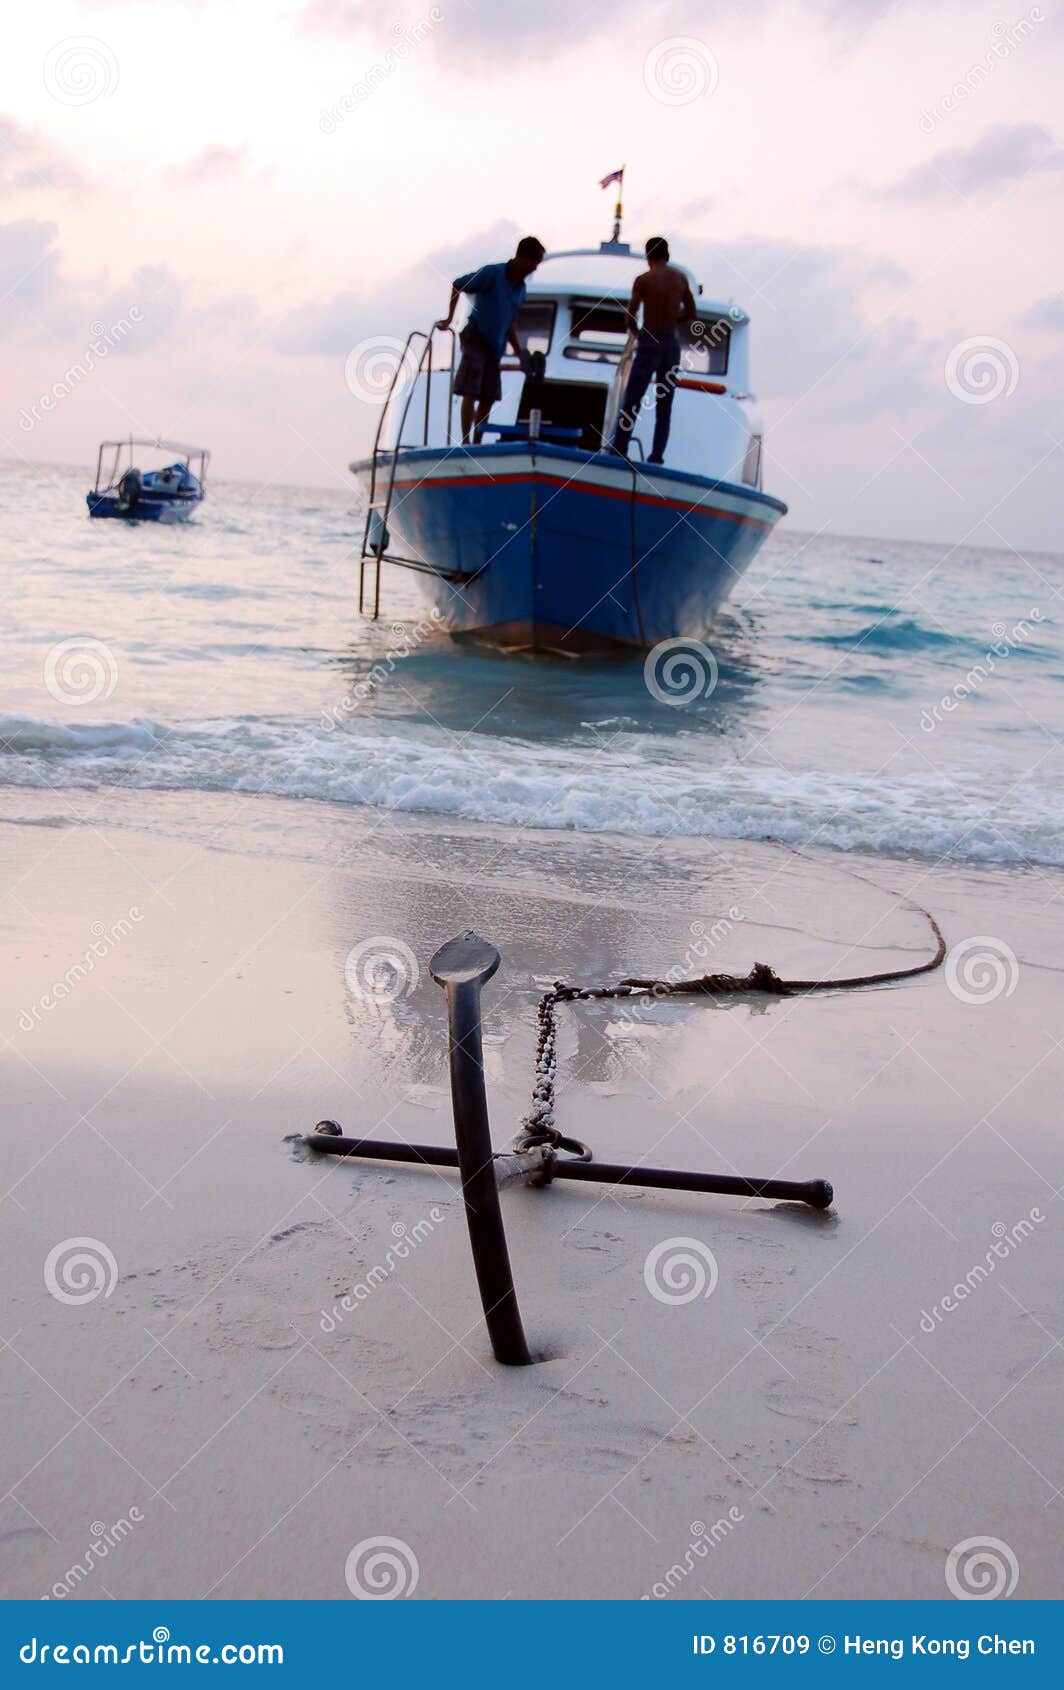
(168, 494)
(540, 538)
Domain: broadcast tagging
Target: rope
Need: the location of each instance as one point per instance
(538, 1128)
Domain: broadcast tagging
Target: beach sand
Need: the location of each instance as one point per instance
(817, 1425)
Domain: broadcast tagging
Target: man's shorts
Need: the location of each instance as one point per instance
(478, 375)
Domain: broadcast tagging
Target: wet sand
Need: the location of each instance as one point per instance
(830, 1420)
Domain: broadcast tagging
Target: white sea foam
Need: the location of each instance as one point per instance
(520, 784)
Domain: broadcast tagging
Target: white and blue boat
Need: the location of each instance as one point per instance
(167, 494)
(540, 538)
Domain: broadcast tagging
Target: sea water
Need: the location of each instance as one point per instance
(866, 695)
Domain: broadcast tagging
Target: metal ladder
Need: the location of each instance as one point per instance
(375, 540)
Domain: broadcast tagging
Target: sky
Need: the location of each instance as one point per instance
(212, 210)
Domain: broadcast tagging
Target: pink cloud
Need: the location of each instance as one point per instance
(30, 164)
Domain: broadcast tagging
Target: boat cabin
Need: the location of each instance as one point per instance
(574, 318)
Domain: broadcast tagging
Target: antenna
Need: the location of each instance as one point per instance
(618, 210)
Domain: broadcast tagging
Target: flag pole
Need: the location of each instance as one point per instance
(618, 210)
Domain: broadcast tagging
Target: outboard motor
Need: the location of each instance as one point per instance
(537, 369)
(532, 399)
(129, 490)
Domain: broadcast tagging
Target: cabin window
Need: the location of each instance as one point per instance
(535, 324)
(601, 324)
(593, 355)
(752, 462)
(704, 346)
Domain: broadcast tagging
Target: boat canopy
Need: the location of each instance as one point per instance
(111, 452)
(154, 444)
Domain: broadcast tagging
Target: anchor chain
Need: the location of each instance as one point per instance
(538, 1131)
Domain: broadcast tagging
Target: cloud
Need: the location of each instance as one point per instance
(214, 165)
(1008, 152)
(481, 32)
(43, 306)
(1046, 313)
(329, 328)
(29, 274)
(811, 320)
(30, 164)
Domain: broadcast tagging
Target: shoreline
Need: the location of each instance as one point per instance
(149, 1110)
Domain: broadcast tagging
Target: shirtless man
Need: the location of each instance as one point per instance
(667, 301)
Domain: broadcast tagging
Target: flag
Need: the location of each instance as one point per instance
(615, 176)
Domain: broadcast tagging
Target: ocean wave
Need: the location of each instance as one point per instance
(635, 789)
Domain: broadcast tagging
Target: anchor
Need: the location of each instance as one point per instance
(463, 967)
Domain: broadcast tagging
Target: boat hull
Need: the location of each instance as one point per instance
(549, 548)
(146, 509)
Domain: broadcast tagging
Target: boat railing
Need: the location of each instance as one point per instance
(375, 535)
(375, 538)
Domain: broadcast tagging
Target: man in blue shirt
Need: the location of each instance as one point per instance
(498, 293)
